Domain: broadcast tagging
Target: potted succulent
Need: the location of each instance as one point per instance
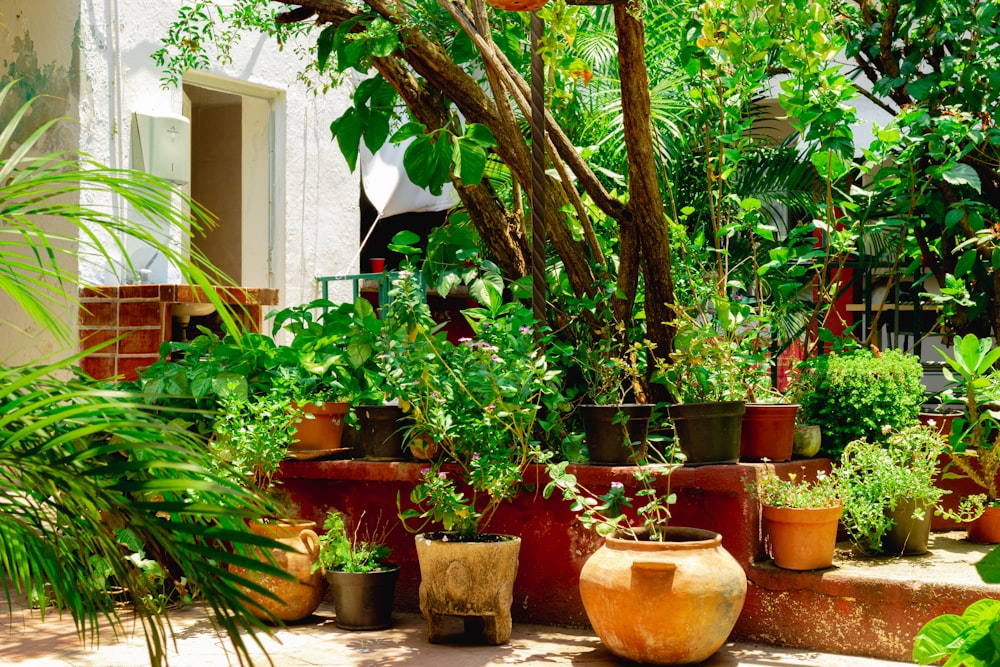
(801, 517)
(972, 441)
(480, 401)
(653, 593)
(889, 491)
(362, 583)
(854, 394)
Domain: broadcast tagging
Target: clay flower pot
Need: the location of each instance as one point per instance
(663, 603)
(768, 431)
(802, 538)
(470, 579)
(986, 529)
(323, 430)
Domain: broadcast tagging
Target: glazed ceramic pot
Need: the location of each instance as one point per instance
(663, 603)
(613, 439)
(768, 431)
(802, 538)
(474, 580)
(299, 596)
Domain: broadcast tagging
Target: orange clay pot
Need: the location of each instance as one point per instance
(768, 431)
(323, 430)
(663, 603)
(986, 529)
(299, 596)
(802, 539)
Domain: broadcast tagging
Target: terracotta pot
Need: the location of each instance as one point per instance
(470, 579)
(768, 431)
(380, 433)
(517, 5)
(323, 430)
(986, 529)
(363, 600)
(609, 440)
(664, 603)
(708, 433)
(806, 441)
(802, 539)
(299, 596)
(941, 420)
(908, 536)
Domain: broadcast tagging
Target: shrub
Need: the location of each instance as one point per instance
(857, 395)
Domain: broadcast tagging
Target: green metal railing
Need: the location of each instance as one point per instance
(384, 281)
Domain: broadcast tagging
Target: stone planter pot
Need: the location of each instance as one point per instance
(708, 433)
(611, 442)
(908, 536)
(802, 538)
(806, 441)
(299, 596)
(363, 600)
(474, 580)
(663, 603)
(768, 431)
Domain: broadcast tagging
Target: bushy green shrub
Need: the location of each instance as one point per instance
(852, 396)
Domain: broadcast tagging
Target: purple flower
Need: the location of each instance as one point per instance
(442, 475)
(475, 456)
(424, 471)
(525, 330)
(464, 339)
(495, 358)
(617, 485)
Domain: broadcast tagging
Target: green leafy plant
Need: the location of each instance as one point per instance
(480, 401)
(972, 444)
(875, 477)
(796, 491)
(857, 395)
(345, 552)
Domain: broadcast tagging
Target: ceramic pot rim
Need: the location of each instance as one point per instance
(678, 539)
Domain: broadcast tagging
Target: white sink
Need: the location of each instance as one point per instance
(189, 310)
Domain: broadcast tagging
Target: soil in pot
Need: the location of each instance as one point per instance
(708, 433)
(363, 600)
(666, 603)
(802, 538)
(908, 536)
(473, 580)
(616, 434)
(768, 431)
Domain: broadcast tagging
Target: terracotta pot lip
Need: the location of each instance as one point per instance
(804, 514)
(772, 406)
(328, 407)
(679, 538)
(278, 527)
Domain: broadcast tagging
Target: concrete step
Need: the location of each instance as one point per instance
(863, 606)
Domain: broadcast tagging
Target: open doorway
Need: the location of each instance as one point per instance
(233, 174)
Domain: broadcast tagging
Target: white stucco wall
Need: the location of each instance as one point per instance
(318, 206)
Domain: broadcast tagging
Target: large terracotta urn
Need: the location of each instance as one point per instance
(663, 603)
(301, 595)
(474, 580)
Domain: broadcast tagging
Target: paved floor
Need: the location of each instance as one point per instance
(26, 641)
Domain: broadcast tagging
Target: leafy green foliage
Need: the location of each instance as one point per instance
(344, 552)
(969, 640)
(796, 491)
(857, 395)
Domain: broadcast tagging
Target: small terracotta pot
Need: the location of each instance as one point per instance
(986, 529)
(323, 430)
(768, 431)
(802, 539)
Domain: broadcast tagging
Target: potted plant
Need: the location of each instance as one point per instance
(653, 593)
(854, 394)
(481, 402)
(801, 518)
(362, 583)
(972, 441)
(253, 434)
(704, 375)
(889, 491)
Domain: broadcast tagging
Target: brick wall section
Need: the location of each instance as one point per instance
(141, 314)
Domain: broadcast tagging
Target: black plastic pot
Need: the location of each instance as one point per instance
(614, 440)
(908, 536)
(708, 433)
(380, 433)
(363, 600)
